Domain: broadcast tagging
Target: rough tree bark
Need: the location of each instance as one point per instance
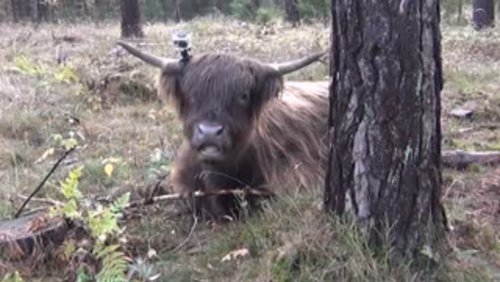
(483, 13)
(292, 12)
(131, 19)
(385, 132)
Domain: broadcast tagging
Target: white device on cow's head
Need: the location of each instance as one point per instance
(182, 42)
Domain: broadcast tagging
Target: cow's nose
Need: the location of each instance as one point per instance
(210, 129)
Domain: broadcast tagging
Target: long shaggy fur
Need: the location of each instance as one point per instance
(291, 136)
(284, 145)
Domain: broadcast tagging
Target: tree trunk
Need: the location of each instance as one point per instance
(460, 11)
(483, 13)
(177, 11)
(131, 19)
(385, 131)
(292, 12)
(13, 4)
(21, 9)
(34, 10)
(164, 7)
(43, 10)
(252, 6)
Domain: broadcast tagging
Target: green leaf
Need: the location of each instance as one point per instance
(12, 277)
(69, 188)
(70, 209)
(69, 143)
(81, 276)
(102, 223)
(120, 203)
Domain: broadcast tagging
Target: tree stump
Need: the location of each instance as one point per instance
(30, 235)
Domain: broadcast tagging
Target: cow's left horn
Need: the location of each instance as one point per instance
(170, 65)
(288, 67)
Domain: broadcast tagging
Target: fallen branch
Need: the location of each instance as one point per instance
(197, 194)
(42, 200)
(43, 181)
(460, 158)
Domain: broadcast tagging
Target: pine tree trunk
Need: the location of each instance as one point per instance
(292, 12)
(131, 19)
(253, 6)
(43, 10)
(483, 13)
(460, 11)
(177, 11)
(34, 10)
(15, 10)
(385, 132)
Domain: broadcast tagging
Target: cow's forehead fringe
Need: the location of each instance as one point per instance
(218, 75)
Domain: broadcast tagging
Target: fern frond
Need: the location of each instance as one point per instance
(114, 264)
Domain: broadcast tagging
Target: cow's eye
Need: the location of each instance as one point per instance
(245, 98)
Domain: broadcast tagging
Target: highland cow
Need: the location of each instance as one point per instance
(239, 132)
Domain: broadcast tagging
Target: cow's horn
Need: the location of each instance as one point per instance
(171, 65)
(288, 67)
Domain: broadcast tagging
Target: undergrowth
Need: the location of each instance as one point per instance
(128, 141)
(103, 225)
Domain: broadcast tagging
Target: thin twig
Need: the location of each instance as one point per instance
(42, 200)
(189, 235)
(44, 180)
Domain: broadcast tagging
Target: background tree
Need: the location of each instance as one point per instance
(385, 135)
(292, 12)
(177, 10)
(131, 19)
(483, 13)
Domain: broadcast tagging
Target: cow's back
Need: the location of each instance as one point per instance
(291, 136)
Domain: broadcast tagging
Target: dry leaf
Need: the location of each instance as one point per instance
(236, 254)
(45, 154)
(151, 253)
(108, 169)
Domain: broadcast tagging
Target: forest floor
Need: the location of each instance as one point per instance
(104, 100)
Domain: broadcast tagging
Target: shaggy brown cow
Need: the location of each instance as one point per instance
(238, 133)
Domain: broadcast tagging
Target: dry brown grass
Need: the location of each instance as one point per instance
(114, 121)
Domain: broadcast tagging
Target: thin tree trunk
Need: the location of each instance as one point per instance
(253, 6)
(483, 13)
(34, 10)
(385, 132)
(164, 7)
(292, 12)
(131, 19)
(460, 11)
(15, 10)
(177, 10)
(43, 10)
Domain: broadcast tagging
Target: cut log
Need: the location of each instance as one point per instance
(460, 158)
(29, 236)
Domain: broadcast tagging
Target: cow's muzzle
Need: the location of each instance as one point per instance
(210, 139)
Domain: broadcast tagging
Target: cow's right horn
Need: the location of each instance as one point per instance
(170, 65)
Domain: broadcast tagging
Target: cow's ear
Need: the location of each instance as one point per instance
(169, 91)
(268, 85)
